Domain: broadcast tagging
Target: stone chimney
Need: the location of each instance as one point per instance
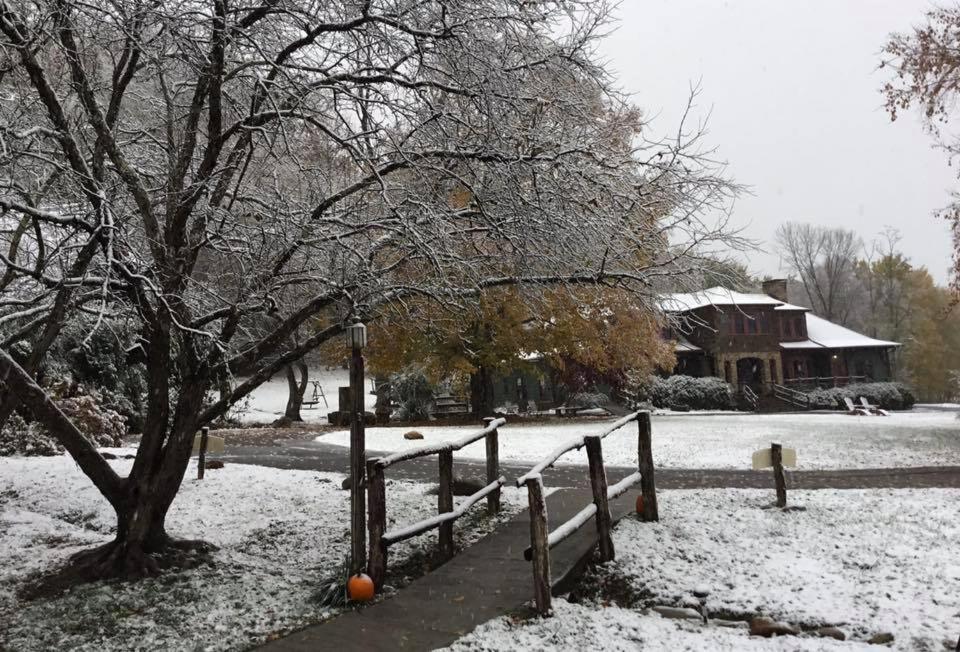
(776, 288)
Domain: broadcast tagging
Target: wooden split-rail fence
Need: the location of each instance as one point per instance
(542, 539)
(380, 539)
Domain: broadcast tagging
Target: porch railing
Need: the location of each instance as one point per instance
(792, 396)
(824, 382)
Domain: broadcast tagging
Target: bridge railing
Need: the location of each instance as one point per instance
(542, 539)
(380, 539)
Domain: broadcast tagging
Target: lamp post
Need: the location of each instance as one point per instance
(357, 337)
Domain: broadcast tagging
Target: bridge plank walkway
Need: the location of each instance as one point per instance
(487, 580)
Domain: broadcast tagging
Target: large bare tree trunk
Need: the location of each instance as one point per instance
(141, 500)
(296, 389)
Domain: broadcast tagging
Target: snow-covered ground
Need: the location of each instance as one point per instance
(822, 441)
(866, 561)
(594, 627)
(281, 536)
(266, 403)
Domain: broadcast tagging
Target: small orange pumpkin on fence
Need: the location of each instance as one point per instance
(360, 588)
(640, 504)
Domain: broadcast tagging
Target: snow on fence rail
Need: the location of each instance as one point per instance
(574, 444)
(542, 540)
(380, 539)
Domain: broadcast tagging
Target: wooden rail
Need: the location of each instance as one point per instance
(792, 396)
(542, 540)
(573, 444)
(827, 381)
(380, 539)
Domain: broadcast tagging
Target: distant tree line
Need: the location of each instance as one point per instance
(873, 288)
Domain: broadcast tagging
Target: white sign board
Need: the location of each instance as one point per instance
(763, 460)
(214, 444)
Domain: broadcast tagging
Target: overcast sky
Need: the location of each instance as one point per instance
(792, 89)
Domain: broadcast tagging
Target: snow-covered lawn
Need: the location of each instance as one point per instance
(594, 627)
(822, 441)
(281, 536)
(267, 403)
(866, 561)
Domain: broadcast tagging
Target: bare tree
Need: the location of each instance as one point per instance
(824, 259)
(227, 175)
(926, 66)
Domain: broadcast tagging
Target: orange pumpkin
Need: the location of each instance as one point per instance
(360, 588)
(640, 504)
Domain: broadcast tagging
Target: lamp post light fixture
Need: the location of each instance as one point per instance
(357, 338)
(357, 335)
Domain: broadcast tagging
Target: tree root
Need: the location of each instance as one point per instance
(120, 560)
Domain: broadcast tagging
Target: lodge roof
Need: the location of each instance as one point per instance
(825, 334)
(683, 345)
(719, 297)
(821, 333)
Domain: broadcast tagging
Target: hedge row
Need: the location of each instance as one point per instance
(889, 396)
(689, 393)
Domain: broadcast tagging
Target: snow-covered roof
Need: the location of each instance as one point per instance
(805, 344)
(790, 306)
(716, 296)
(835, 336)
(821, 333)
(683, 345)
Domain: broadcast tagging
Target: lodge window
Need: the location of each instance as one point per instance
(788, 327)
(798, 327)
(741, 324)
(752, 325)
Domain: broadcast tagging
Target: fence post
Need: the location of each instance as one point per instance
(598, 482)
(776, 456)
(445, 502)
(377, 515)
(493, 467)
(539, 545)
(648, 487)
(202, 457)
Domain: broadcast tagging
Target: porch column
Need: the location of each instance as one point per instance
(765, 369)
(733, 370)
(765, 374)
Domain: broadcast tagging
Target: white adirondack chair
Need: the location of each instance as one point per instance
(853, 409)
(873, 408)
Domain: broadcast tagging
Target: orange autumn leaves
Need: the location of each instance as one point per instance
(603, 329)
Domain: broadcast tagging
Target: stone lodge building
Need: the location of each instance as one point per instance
(761, 340)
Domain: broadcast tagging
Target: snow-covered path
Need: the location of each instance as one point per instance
(719, 441)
